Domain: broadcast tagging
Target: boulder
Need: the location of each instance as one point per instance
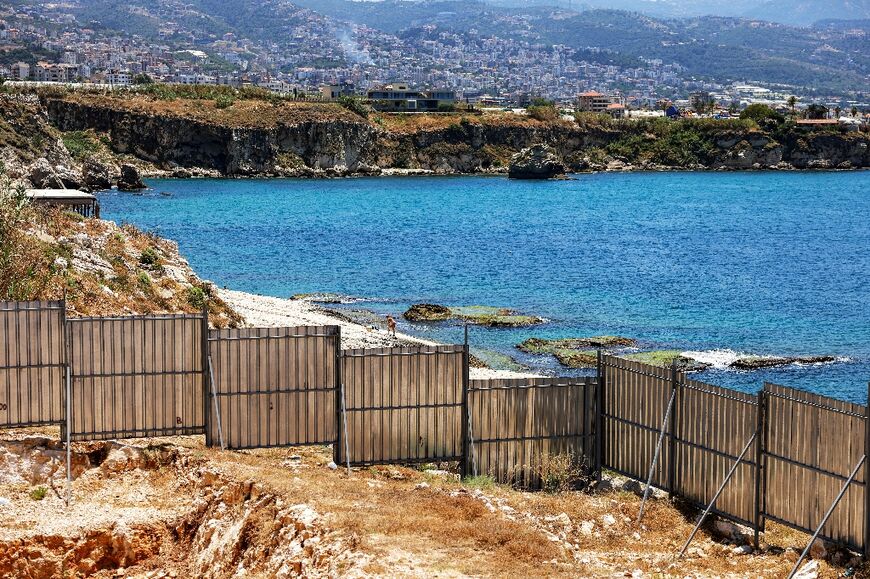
(536, 162)
(95, 176)
(44, 175)
(130, 179)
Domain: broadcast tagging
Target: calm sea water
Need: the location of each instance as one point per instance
(761, 263)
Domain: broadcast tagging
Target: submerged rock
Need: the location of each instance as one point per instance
(761, 362)
(478, 315)
(548, 346)
(574, 352)
(536, 162)
(667, 358)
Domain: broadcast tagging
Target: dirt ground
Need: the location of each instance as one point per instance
(172, 508)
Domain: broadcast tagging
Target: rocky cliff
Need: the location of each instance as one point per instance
(298, 139)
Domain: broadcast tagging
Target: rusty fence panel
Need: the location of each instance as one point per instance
(274, 386)
(403, 405)
(528, 430)
(137, 376)
(813, 443)
(32, 363)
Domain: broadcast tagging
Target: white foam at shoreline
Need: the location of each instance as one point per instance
(722, 359)
(718, 359)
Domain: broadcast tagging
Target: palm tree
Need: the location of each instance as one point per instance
(792, 101)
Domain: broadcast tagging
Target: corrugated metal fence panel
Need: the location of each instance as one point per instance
(713, 426)
(403, 404)
(814, 442)
(136, 377)
(636, 396)
(275, 386)
(517, 425)
(32, 359)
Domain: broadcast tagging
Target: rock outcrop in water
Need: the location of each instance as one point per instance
(536, 162)
(477, 315)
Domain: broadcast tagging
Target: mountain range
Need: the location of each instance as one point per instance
(833, 55)
(793, 12)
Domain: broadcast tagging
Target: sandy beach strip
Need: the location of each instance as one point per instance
(270, 312)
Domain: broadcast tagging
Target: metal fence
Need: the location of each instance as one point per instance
(784, 455)
(273, 386)
(403, 405)
(813, 443)
(32, 363)
(517, 427)
(136, 376)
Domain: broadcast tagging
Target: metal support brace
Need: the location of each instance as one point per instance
(217, 408)
(344, 422)
(718, 492)
(655, 460)
(827, 515)
(68, 437)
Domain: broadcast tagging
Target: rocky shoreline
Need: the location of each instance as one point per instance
(87, 141)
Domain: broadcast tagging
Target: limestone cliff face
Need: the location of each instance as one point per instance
(342, 145)
(176, 142)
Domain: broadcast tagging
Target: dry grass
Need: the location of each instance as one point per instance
(241, 114)
(444, 529)
(35, 258)
(406, 124)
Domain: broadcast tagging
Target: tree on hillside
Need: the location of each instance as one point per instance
(854, 111)
(792, 101)
(837, 111)
(763, 115)
(817, 111)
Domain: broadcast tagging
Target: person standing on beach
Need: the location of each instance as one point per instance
(391, 325)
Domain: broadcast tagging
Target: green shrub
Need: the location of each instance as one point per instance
(479, 481)
(150, 258)
(80, 144)
(763, 115)
(196, 297)
(224, 101)
(144, 280)
(38, 493)
(355, 105)
(543, 112)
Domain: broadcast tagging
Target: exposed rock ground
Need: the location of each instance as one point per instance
(175, 509)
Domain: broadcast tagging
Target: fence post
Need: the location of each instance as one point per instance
(760, 471)
(336, 448)
(867, 476)
(206, 383)
(463, 468)
(599, 418)
(672, 442)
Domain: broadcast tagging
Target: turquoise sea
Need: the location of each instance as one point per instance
(759, 263)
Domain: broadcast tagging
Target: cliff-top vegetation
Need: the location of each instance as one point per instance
(101, 268)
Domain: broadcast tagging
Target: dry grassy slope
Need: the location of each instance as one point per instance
(102, 268)
(179, 509)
